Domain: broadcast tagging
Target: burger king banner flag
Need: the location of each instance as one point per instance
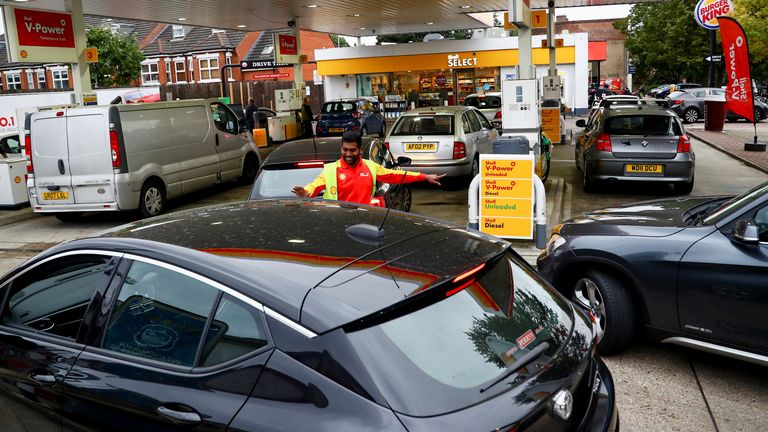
(738, 93)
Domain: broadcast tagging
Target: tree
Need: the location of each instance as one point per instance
(753, 16)
(418, 37)
(339, 41)
(119, 58)
(664, 42)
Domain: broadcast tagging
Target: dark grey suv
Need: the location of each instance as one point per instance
(635, 143)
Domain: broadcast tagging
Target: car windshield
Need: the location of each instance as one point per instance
(483, 102)
(646, 125)
(424, 125)
(465, 343)
(736, 205)
(337, 107)
(277, 181)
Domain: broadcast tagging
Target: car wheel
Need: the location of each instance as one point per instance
(758, 114)
(250, 169)
(684, 188)
(576, 157)
(691, 115)
(587, 184)
(68, 216)
(364, 131)
(152, 200)
(605, 297)
(383, 132)
(475, 170)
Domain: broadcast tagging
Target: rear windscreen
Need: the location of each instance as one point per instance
(338, 107)
(278, 183)
(424, 125)
(483, 102)
(648, 125)
(439, 358)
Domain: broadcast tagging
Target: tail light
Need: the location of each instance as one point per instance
(683, 144)
(386, 145)
(603, 143)
(357, 114)
(310, 164)
(497, 116)
(459, 150)
(114, 145)
(677, 102)
(28, 151)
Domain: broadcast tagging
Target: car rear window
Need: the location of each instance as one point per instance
(338, 107)
(483, 102)
(650, 125)
(677, 94)
(277, 181)
(464, 343)
(424, 125)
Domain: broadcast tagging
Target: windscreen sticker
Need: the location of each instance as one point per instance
(525, 340)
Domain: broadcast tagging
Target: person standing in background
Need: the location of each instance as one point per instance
(250, 110)
(306, 118)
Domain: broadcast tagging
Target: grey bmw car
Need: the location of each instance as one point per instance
(635, 143)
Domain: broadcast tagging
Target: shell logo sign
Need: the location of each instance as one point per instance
(707, 11)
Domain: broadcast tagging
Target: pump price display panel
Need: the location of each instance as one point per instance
(506, 195)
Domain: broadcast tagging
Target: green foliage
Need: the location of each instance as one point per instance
(339, 41)
(753, 16)
(419, 37)
(665, 43)
(119, 58)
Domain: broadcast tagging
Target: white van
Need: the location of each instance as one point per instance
(137, 156)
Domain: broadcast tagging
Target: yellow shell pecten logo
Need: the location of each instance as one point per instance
(707, 11)
(17, 179)
(333, 190)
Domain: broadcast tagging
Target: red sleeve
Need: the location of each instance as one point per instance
(398, 176)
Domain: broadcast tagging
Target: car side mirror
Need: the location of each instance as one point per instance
(746, 232)
(403, 161)
(581, 123)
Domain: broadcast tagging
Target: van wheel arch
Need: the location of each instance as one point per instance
(152, 200)
(250, 168)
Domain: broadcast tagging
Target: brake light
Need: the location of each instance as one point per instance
(28, 151)
(357, 115)
(459, 150)
(468, 273)
(114, 145)
(677, 102)
(312, 164)
(683, 144)
(497, 116)
(603, 143)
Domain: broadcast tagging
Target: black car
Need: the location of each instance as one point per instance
(295, 315)
(691, 270)
(297, 163)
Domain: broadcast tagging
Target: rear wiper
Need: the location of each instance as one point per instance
(523, 361)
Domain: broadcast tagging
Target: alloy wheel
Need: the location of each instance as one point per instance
(691, 116)
(587, 296)
(153, 200)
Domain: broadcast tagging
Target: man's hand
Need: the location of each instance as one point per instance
(434, 178)
(299, 191)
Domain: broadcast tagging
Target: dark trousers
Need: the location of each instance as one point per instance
(307, 126)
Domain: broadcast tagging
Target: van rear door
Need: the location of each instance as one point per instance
(50, 157)
(90, 156)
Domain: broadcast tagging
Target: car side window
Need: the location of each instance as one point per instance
(53, 297)
(466, 123)
(699, 94)
(761, 220)
(237, 329)
(223, 118)
(484, 123)
(475, 122)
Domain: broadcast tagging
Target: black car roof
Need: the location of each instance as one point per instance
(295, 256)
(322, 149)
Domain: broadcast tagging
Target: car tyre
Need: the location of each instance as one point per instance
(250, 169)
(475, 170)
(758, 114)
(691, 115)
(604, 295)
(68, 216)
(684, 188)
(364, 131)
(587, 184)
(152, 199)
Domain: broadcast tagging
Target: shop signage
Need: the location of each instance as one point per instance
(454, 60)
(286, 49)
(506, 195)
(707, 11)
(738, 93)
(258, 77)
(92, 55)
(441, 81)
(261, 64)
(39, 36)
(550, 123)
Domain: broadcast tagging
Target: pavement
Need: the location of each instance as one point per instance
(731, 141)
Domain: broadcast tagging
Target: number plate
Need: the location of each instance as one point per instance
(55, 195)
(644, 168)
(421, 147)
(336, 130)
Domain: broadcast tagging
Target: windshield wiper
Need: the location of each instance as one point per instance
(525, 360)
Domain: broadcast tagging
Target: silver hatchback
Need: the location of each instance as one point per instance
(642, 143)
(442, 140)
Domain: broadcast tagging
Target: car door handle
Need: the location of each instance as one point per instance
(45, 379)
(179, 417)
(61, 167)
(217, 140)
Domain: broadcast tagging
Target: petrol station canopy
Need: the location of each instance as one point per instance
(347, 17)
